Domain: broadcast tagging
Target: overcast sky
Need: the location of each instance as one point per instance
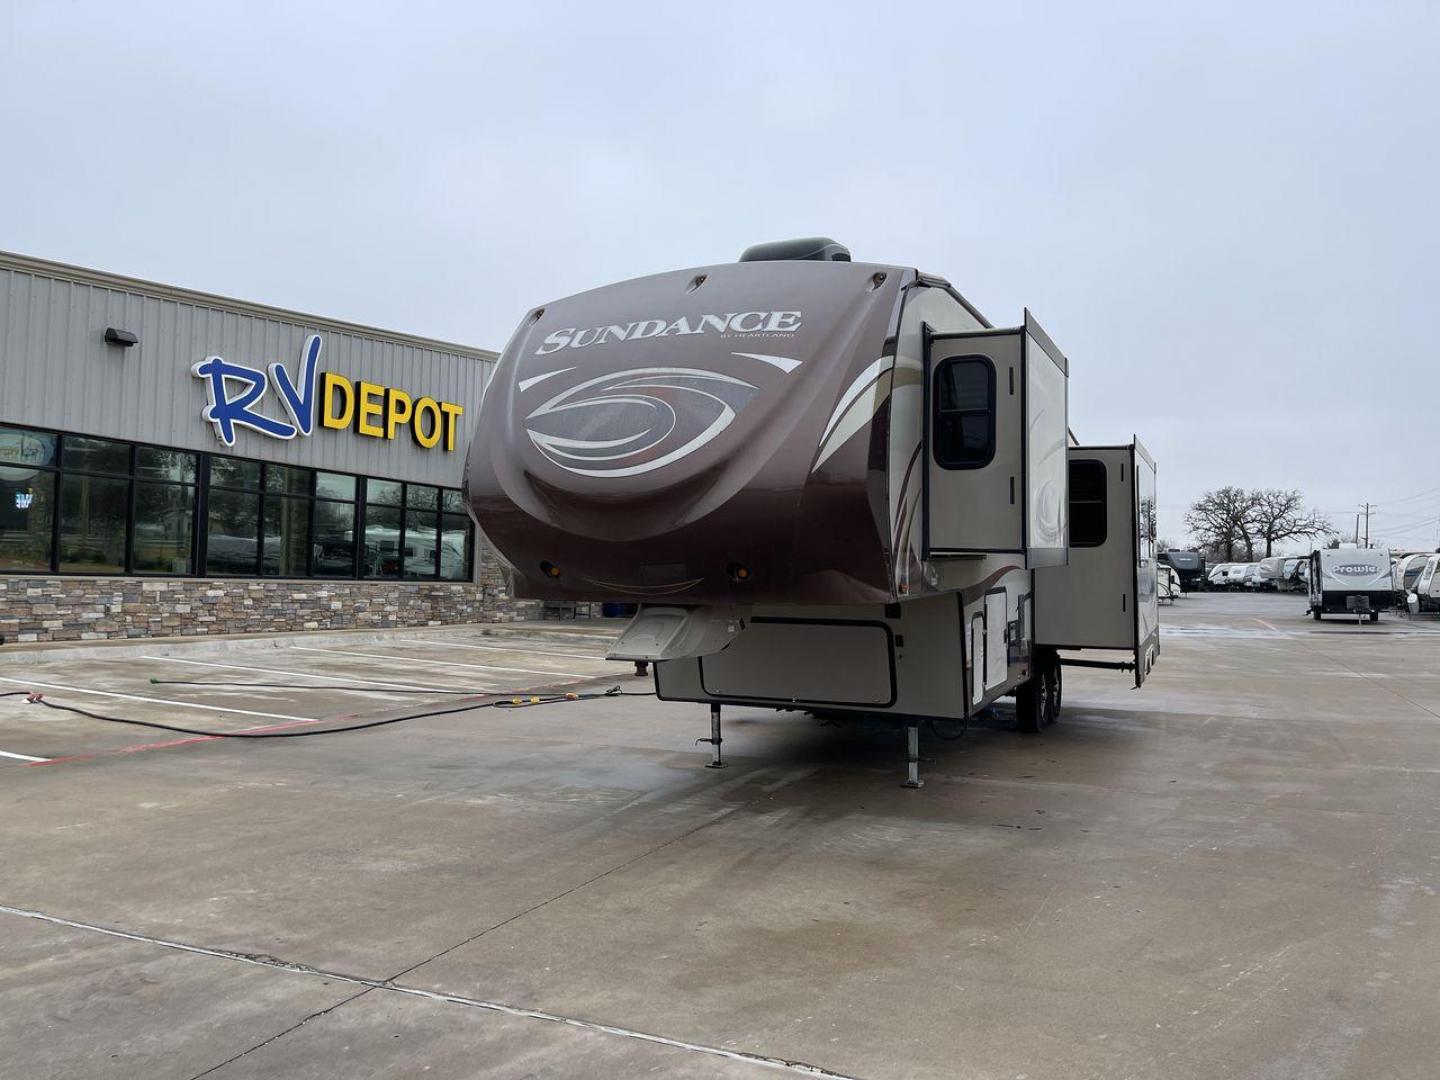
(1225, 214)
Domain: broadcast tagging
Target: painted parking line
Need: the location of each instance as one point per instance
(22, 757)
(375, 685)
(156, 700)
(399, 658)
(499, 648)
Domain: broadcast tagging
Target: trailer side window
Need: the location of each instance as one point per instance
(964, 415)
(1088, 508)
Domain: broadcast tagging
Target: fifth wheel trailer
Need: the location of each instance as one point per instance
(830, 486)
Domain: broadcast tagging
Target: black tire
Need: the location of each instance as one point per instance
(1374, 616)
(1029, 708)
(1037, 701)
(1053, 699)
(1315, 612)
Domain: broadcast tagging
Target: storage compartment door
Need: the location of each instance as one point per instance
(997, 652)
(824, 661)
(977, 658)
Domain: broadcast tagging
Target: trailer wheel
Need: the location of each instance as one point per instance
(1052, 698)
(1374, 616)
(1316, 613)
(1029, 703)
(1037, 701)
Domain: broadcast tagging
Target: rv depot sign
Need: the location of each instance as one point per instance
(235, 392)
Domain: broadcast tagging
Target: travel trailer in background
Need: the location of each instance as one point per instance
(1272, 572)
(1190, 565)
(1424, 597)
(1290, 579)
(1167, 583)
(1350, 581)
(1407, 570)
(831, 486)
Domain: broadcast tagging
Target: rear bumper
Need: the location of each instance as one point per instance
(1333, 603)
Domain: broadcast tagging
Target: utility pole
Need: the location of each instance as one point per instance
(1367, 508)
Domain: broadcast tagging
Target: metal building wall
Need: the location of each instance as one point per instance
(57, 372)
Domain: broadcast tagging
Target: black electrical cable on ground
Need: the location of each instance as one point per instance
(512, 703)
(343, 686)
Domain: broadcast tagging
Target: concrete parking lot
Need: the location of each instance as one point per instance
(1229, 873)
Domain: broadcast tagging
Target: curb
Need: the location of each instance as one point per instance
(130, 648)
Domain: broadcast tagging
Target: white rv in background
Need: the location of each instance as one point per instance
(1425, 597)
(1350, 581)
(1168, 586)
(1408, 569)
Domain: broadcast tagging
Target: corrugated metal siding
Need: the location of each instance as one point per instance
(57, 372)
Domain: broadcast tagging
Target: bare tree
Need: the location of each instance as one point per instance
(1223, 520)
(1278, 515)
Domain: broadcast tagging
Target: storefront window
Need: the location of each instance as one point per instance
(383, 492)
(455, 547)
(164, 518)
(334, 548)
(27, 507)
(232, 531)
(290, 481)
(93, 513)
(152, 463)
(28, 449)
(335, 486)
(234, 473)
(96, 455)
(124, 508)
(382, 542)
(422, 497)
(420, 541)
(287, 536)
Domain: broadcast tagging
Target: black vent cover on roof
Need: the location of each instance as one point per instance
(816, 248)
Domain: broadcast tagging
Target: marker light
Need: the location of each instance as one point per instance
(549, 569)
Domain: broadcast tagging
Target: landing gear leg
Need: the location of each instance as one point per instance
(912, 756)
(716, 762)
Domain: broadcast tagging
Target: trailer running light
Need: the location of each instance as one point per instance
(549, 569)
(738, 572)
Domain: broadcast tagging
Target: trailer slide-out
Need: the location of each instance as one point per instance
(831, 486)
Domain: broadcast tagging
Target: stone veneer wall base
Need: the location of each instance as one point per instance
(48, 608)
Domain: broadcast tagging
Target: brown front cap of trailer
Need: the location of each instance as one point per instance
(659, 439)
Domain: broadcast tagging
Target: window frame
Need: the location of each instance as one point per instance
(936, 412)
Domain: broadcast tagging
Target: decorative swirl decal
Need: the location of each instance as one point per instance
(636, 421)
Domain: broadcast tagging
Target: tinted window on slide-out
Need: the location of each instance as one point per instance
(964, 413)
(1087, 503)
